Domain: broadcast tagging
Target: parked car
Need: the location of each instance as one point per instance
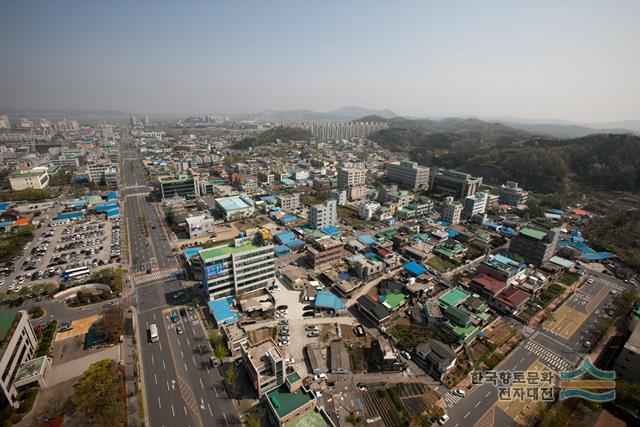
(459, 392)
(319, 377)
(214, 362)
(311, 328)
(405, 354)
(313, 334)
(443, 419)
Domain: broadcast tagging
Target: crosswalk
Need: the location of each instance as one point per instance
(547, 357)
(451, 399)
(156, 275)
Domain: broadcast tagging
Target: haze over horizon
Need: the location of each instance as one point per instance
(576, 61)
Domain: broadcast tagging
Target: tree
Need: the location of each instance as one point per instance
(111, 326)
(253, 420)
(628, 394)
(230, 377)
(220, 351)
(98, 398)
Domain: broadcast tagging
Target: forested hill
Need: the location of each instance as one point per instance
(499, 153)
(270, 136)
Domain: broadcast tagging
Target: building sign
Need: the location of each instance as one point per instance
(215, 269)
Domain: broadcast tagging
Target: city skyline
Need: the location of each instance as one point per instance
(575, 61)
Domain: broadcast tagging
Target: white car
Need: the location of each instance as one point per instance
(443, 419)
(459, 392)
(406, 355)
(320, 377)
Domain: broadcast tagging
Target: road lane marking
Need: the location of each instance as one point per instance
(159, 405)
(210, 412)
(163, 365)
(201, 385)
(155, 378)
(181, 354)
(215, 390)
(225, 418)
(188, 343)
(194, 361)
(185, 410)
(465, 417)
(178, 342)
(185, 367)
(172, 411)
(477, 404)
(153, 361)
(487, 395)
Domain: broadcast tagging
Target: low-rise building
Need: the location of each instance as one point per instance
(35, 178)
(340, 363)
(316, 358)
(234, 208)
(512, 195)
(451, 211)
(436, 357)
(326, 250)
(265, 365)
(289, 202)
(200, 225)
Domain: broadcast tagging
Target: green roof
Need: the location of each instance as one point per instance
(394, 299)
(449, 252)
(309, 419)
(6, 321)
(285, 402)
(293, 377)
(457, 316)
(226, 250)
(533, 233)
(453, 297)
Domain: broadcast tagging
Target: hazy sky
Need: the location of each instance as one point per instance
(574, 60)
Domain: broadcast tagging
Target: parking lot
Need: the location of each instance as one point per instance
(297, 327)
(91, 242)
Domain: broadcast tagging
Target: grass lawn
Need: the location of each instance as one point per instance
(549, 294)
(568, 279)
(438, 264)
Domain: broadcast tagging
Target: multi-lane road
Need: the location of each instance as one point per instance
(180, 387)
(554, 351)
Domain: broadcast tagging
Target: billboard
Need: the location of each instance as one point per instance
(215, 269)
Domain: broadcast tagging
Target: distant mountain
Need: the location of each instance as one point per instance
(341, 114)
(563, 130)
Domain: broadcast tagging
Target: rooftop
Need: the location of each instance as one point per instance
(533, 233)
(226, 250)
(286, 402)
(326, 299)
(234, 203)
(30, 368)
(453, 297)
(309, 419)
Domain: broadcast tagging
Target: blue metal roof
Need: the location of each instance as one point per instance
(326, 299)
(285, 236)
(296, 243)
(414, 268)
(331, 230)
(222, 310)
(69, 215)
(282, 250)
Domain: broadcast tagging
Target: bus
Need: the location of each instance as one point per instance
(153, 333)
(75, 273)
